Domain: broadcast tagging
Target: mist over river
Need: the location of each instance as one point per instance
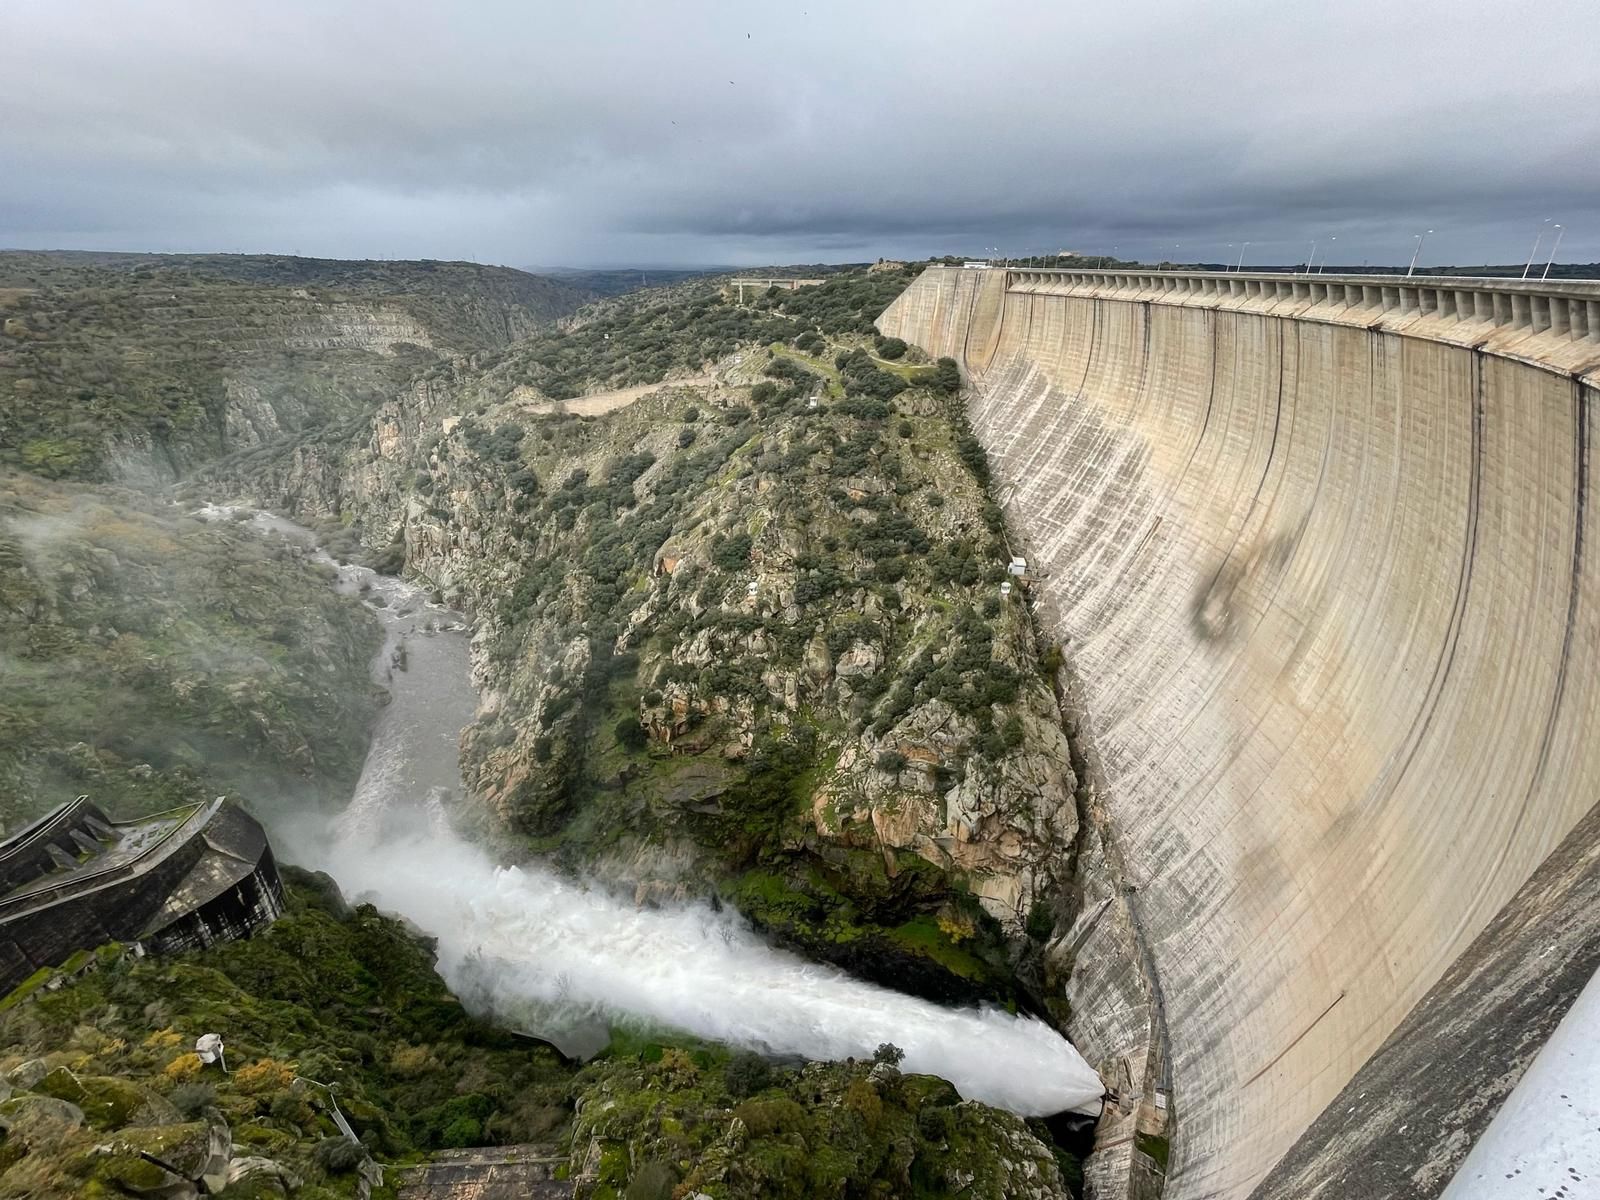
(563, 960)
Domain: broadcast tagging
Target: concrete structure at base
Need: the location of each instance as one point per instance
(174, 881)
(1321, 553)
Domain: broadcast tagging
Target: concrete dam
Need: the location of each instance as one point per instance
(1320, 552)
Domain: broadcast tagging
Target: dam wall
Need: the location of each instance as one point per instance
(1320, 550)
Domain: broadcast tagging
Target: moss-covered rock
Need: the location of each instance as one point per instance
(827, 1130)
(109, 1102)
(33, 1118)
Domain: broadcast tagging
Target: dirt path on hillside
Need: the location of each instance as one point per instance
(597, 403)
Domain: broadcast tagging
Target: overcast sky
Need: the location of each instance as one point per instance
(597, 132)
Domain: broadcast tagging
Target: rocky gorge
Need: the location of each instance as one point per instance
(743, 640)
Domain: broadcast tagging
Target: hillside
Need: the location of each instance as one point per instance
(744, 637)
(142, 367)
(151, 659)
(742, 640)
(334, 1006)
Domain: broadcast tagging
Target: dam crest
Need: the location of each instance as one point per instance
(1320, 551)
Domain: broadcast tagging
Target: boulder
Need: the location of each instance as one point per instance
(40, 1119)
(254, 1177)
(26, 1074)
(194, 1155)
(109, 1102)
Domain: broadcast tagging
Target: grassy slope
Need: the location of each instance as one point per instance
(344, 998)
(147, 657)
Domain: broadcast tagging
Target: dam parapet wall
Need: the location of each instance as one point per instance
(1554, 325)
(1320, 550)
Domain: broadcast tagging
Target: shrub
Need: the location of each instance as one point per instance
(934, 1123)
(336, 1154)
(893, 762)
(888, 1052)
(691, 415)
(1041, 921)
(732, 553)
(947, 376)
(862, 1098)
(653, 1181)
(630, 734)
(747, 1074)
(763, 1118)
(263, 1075)
(183, 1068)
(891, 348)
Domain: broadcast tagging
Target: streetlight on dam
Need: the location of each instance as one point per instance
(1421, 237)
(1534, 253)
(1553, 249)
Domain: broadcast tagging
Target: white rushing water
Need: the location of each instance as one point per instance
(549, 955)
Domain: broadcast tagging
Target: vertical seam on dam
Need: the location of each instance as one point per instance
(1580, 407)
(1094, 338)
(1447, 655)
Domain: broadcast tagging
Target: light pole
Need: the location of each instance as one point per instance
(1331, 240)
(1421, 237)
(1534, 253)
(1312, 257)
(1553, 249)
(1239, 266)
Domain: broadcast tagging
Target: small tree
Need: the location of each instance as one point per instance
(888, 1052)
(630, 734)
(746, 1074)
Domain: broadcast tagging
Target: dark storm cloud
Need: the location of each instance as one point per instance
(735, 132)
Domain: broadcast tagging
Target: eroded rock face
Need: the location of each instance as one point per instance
(729, 677)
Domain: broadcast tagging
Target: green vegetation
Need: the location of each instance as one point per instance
(645, 337)
(147, 657)
(347, 999)
(751, 628)
(682, 1122)
(745, 642)
(1156, 1147)
(147, 366)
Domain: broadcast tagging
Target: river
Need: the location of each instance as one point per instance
(565, 960)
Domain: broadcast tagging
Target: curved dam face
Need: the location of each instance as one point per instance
(1321, 552)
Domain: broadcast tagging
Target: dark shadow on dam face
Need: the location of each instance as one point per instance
(1239, 585)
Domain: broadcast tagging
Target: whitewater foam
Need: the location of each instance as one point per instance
(550, 955)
